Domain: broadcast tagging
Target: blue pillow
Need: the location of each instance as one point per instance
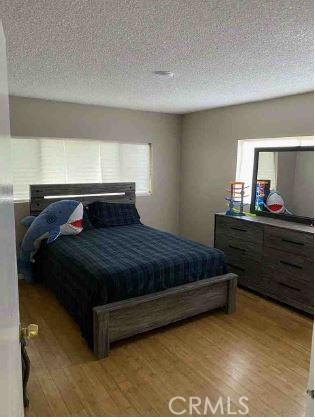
(87, 224)
(113, 214)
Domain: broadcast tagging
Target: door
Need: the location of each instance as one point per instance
(11, 395)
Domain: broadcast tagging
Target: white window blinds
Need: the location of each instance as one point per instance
(83, 161)
(51, 163)
(26, 158)
(61, 161)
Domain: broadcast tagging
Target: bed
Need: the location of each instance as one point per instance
(119, 281)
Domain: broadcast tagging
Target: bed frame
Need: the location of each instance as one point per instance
(119, 320)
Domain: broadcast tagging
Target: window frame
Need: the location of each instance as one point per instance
(150, 144)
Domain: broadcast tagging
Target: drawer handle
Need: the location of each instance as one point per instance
(237, 248)
(289, 287)
(237, 267)
(291, 264)
(239, 229)
(292, 242)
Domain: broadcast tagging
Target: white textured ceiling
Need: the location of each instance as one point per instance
(103, 52)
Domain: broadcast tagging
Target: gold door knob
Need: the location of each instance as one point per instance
(30, 331)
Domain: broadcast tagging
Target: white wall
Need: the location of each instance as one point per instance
(36, 118)
(11, 398)
(209, 147)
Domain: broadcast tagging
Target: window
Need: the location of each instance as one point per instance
(245, 156)
(268, 168)
(63, 161)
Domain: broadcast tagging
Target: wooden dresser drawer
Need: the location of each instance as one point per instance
(272, 257)
(239, 229)
(288, 278)
(247, 274)
(232, 247)
(248, 270)
(286, 240)
(284, 266)
(287, 291)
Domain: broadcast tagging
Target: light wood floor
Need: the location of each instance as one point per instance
(262, 352)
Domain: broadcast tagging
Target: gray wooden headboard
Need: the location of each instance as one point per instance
(118, 192)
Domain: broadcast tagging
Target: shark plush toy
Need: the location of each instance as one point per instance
(61, 218)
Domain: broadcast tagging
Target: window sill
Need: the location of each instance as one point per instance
(144, 194)
(21, 201)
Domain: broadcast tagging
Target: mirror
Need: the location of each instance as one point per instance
(283, 183)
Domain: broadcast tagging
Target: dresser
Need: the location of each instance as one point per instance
(271, 256)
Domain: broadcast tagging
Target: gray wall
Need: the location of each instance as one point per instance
(295, 181)
(286, 178)
(303, 188)
(200, 168)
(36, 118)
(209, 151)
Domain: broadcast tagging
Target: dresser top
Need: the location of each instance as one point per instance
(286, 224)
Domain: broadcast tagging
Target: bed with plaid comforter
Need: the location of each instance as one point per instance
(105, 265)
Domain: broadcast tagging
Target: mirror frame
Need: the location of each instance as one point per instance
(292, 218)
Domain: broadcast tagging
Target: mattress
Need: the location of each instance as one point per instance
(106, 265)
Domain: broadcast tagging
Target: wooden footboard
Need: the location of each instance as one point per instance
(115, 321)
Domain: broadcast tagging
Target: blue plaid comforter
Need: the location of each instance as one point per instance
(109, 264)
